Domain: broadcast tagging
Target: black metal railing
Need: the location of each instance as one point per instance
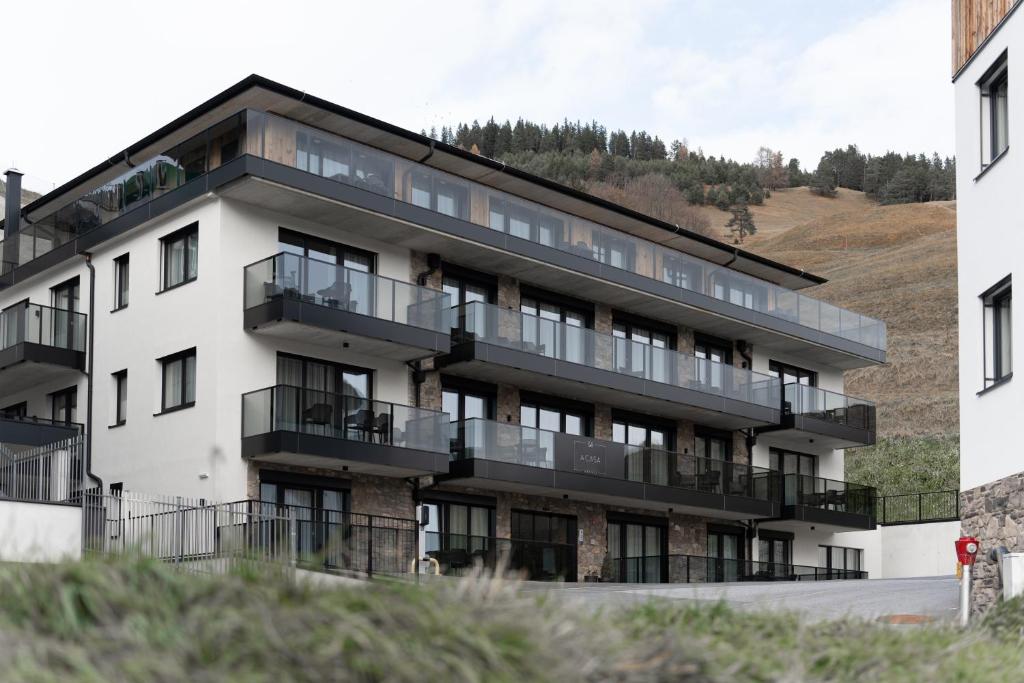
(51, 473)
(829, 494)
(917, 508)
(700, 569)
(459, 554)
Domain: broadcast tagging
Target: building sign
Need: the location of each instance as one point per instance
(588, 457)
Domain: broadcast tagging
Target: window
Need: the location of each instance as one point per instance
(838, 559)
(717, 353)
(322, 525)
(120, 282)
(64, 298)
(120, 397)
(712, 444)
(15, 411)
(998, 332)
(651, 462)
(791, 374)
(181, 257)
(325, 398)
(179, 381)
(555, 416)
(642, 349)
(553, 328)
(467, 403)
(63, 405)
(789, 462)
(995, 114)
(638, 549)
(551, 550)
(468, 288)
(775, 550)
(456, 526)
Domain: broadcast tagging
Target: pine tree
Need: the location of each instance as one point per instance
(741, 224)
(823, 180)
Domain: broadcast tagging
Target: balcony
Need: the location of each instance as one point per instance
(831, 419)
(312, 428)
(828, 504)
(39, 344)
(314, 174)
(699, 569)
(18, 433)
(461, 554)
(303, 299)
(500, 456)
(501, 345)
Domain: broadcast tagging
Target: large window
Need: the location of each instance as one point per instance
(180, 257)
(998, 332)
(556, 416)
(64, 298)
(544, 545)
(15, 411)
(178, 372)
(568, 342)
(63, 405)
(995, 113)
(638, 549)
(322, 527)
(120, 282)
(791, 374)
(718, 354)
(788, 462)
(775, 549)
(651, 463)
(836, 558)
(120, 397)
(456, 531)
(641, 348)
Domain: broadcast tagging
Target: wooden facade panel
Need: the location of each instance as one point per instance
(973, 21)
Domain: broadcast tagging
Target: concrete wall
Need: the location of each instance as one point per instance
(905, 550)
(39, 532)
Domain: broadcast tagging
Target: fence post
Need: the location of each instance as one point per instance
(369, 548)
(919, 513)
(293, 537)
(885, 515)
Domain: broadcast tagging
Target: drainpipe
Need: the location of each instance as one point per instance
(89, 371)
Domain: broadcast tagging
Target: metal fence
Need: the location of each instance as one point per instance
(916, 508)
(198, 535)
(700, 569)
(51, 473)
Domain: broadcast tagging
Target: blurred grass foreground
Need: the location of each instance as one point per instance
(140, 620)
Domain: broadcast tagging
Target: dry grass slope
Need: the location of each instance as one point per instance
(896, 263)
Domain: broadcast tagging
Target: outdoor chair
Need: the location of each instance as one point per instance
(318, 414)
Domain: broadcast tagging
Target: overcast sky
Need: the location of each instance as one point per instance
(800, 76)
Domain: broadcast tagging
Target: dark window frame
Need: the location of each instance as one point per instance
(648, 423)
(70, 407)
(563, 407)
(717, 343)
(166, 241)
(994, 78)
(858, 552)
(284, 234)
(339, 368)
(164, 362)
(709, 434)
(120, 384)
(778, 368)
(993, 300)
(15, 411)
(776, 456)
(122, 282)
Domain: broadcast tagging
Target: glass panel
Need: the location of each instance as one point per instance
(172, 383)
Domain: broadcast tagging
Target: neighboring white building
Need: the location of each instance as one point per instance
(270, 304)
(988, 50)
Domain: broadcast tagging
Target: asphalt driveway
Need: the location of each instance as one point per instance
(931, 598)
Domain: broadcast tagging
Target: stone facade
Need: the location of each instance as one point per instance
(994, 513)
(507, 409)
(384, 496)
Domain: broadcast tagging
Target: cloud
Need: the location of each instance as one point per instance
(798, 77)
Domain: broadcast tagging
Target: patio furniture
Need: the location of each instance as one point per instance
(361, 421)
(318, 414)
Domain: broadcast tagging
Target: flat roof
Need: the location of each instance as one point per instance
(262, 93)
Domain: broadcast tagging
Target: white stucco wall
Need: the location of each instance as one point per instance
(39, 532)
(990, 245)
(905, 550)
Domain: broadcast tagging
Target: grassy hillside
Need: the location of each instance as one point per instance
(897, 263)
(144, 622)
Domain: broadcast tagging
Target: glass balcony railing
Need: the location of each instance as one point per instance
(828, 494)
(334, 286)
(330, 156)
(829, 406)
(554, 339)
(339, 416)
(44, 325)
(518, 445)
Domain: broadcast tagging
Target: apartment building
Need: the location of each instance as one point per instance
(275, 298)
(987, 40)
